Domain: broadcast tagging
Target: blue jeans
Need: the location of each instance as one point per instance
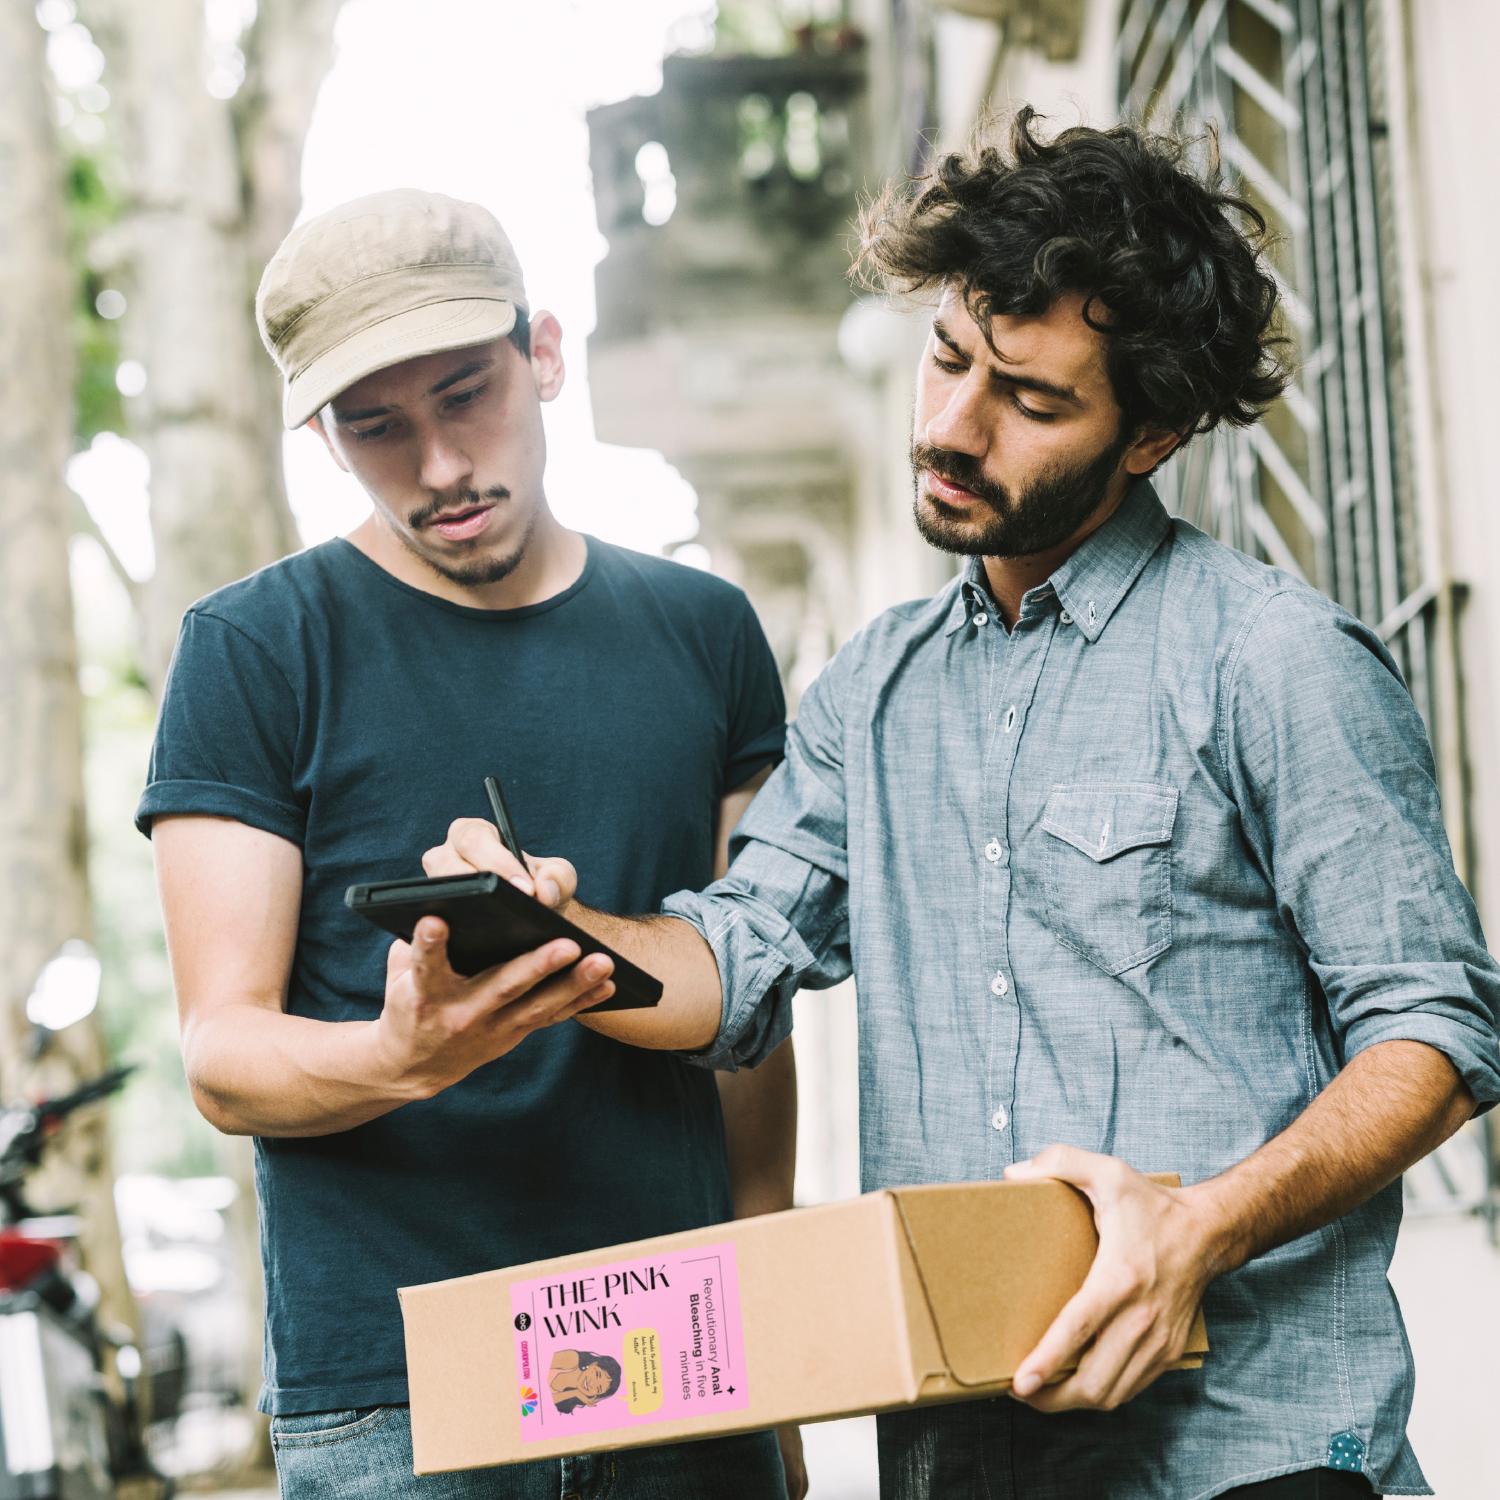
(366, 1455)
(962, 1452)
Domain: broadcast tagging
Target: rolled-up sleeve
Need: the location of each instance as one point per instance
(779, 920)
(1337, 790)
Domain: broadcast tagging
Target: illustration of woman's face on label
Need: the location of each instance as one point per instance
(580, 1378)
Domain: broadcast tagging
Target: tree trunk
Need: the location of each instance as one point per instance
(215, 185)
(193, 241)
(287, 56)
(43, 885)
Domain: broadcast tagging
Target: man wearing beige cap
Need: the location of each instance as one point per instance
(324, 721)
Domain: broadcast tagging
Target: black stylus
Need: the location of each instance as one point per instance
(502, 819)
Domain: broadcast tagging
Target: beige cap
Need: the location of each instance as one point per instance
(379, 280)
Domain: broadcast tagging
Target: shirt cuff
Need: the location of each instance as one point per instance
(1468, 1052)
(1447, 1006)
(759, 955)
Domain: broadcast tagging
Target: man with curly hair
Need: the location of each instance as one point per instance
(1133, 846)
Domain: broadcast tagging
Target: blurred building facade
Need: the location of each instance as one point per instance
(729, 338)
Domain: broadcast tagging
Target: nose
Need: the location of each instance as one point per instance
(958, 425)
(444, 465)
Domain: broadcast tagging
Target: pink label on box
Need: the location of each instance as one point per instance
(629, 1343)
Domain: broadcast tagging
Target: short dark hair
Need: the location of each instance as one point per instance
(1178, 288)
(520, 333)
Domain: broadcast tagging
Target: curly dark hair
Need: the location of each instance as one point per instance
(1177, 287)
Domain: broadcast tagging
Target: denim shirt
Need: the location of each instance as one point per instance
(1138, 875)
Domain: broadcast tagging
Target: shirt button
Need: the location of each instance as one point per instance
(981, 618)
(1066, 618)
(999, 985)
(999, 1120)
(994, 851)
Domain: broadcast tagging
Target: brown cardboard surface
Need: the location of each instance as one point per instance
(988, 1272)
(796, 1270)
(995, 1270)
(895, 1298)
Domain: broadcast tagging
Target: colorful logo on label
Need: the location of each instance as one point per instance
(528, 1401)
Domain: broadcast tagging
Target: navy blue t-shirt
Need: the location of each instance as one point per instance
(326, 701)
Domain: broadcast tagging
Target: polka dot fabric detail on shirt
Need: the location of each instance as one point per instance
(1346, 1451)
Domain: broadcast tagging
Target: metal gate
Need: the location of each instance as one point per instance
(1327, 484)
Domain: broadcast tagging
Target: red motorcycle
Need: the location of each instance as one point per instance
(63, 1434)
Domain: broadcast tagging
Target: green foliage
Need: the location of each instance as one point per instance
(774, 28)
(755, 27)
(93, 207)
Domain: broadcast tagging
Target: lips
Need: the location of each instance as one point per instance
(946, 490)
(460, 525)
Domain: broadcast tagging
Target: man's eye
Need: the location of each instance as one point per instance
(950, 366)
(1030, 413)
(368, 434)
(467, 398)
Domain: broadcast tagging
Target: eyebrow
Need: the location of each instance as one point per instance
(473, 367)
(1027, 382)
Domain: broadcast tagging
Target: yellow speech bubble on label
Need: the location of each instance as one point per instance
(641, 1371)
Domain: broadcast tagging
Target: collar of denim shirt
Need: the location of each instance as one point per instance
(1091, 583)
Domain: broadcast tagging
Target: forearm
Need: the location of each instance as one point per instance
(1386, 1109)
(257, 1071)
(687, 1017)
(760, 1132)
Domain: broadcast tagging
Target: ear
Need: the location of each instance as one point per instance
(1151, 448)
(546, 355)
(316, 423)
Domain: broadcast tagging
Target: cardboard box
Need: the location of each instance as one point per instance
(902, 1297)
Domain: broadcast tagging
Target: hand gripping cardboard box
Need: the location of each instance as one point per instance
(898, 1298)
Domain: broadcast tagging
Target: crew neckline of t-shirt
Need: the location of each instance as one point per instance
(474, 612)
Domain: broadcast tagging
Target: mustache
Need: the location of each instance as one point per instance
(957, 468)
(463, 500)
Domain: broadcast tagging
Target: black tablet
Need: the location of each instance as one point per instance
(490, 921)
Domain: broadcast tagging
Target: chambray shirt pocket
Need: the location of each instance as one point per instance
(1107, 870)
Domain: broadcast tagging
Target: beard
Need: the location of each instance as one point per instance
(1042, 516)
(477, 571)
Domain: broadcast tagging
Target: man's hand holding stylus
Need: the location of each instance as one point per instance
(686, 1019)
(474, 845)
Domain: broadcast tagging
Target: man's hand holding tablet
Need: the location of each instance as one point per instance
(490, 922)
(687, 1017)
(483, 956)
(437, 1026)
